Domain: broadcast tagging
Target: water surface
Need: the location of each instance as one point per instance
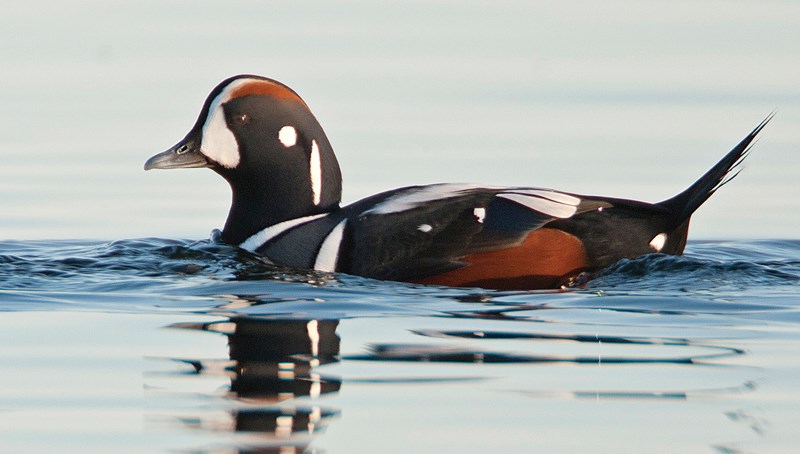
(176, 345)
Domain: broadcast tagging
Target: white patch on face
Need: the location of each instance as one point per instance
(328, 253)
(316, 172)
(542, 205)
(288, 136)
(261, 238)
(480, 214)
(424, 228)
(219, 143)
(658, 242)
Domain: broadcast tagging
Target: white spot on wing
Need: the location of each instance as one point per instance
(288, 136)
(328, 253)
(424, 228)
(658, 242)
(315, 166)
(480, 214)
(542, 205)
(261, 238)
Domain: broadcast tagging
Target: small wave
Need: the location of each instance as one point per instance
(708, 266)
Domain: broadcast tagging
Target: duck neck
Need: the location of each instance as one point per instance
(256, 205)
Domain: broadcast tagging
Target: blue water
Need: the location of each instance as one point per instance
(158, 344)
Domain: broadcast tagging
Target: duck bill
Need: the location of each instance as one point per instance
(184, 155)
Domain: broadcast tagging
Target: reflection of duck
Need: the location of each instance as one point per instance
(272, 362)
(262, 138)
(276, 358)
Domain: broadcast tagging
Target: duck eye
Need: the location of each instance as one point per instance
(241, 119)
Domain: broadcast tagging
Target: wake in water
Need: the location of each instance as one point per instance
(68, 271)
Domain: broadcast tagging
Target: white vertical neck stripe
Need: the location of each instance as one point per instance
(315, 170)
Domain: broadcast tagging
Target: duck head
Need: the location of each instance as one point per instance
(262, 138)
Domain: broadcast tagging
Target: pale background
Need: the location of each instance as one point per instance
(630, 99)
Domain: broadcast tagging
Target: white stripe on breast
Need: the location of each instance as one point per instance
(259, 239)
(542, 205)
(328, 253)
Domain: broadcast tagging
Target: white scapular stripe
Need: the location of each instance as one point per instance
(328, 253)
(288, 136)
(259, 239)
(658, 242)
(218, 142)
(315, 165)
(413, 198)
(552, 195)
(542, 205)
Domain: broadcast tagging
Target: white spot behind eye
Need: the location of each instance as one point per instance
(288, 136)
(424, 228)
(480, 214)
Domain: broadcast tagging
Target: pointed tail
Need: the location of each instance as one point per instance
(685, 203)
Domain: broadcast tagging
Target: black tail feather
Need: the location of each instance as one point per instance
(685, 203)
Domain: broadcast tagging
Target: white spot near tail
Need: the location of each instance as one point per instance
(658, 242)
(424, 228)
(316, 172)
(328, 253)
(480, 214)
(288, 136)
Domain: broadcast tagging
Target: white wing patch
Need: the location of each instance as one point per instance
(328, 253)
(548, 206)
(259, 239)
(559, 197)
(415, 197)
(550, 203)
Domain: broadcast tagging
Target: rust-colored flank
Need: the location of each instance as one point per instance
(266, 87)
(545, 259)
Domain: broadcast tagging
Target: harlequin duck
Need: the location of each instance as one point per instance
(262, 138)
